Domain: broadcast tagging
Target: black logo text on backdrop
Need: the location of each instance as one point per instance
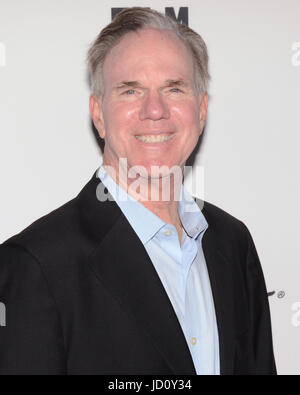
(182, 16)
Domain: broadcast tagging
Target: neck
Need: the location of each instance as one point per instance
(160, 195)
(168, 212)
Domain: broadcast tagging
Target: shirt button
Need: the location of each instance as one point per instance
(168, 232)
(193, 341)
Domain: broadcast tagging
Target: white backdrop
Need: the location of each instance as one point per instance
(250, 150)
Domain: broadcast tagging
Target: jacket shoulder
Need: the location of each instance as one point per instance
(70, 231)
(227, 228)
(52, 229)
(220, 218)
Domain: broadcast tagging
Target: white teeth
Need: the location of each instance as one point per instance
(154, 138)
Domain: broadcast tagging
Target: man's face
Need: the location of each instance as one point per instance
(149, 90)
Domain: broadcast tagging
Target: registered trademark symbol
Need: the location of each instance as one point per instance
(280, 294)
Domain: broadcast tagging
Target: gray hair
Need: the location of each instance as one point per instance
(138, 18)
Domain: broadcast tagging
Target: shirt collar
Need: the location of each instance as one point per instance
(144, 222)
(190, 214)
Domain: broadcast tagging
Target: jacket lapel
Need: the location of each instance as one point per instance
(222, 286)
(123, 266)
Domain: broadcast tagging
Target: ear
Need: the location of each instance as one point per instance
(97, 115)
(203, 109)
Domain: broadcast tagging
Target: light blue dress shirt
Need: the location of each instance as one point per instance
(181, 269)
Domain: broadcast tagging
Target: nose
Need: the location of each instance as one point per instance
(154, 107)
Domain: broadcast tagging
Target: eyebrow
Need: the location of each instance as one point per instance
(136, 84)
(131, 84)
(178, 82)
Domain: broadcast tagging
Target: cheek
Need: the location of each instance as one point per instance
(187, 116)
(118, 118)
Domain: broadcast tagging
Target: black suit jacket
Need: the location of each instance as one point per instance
(82, 297)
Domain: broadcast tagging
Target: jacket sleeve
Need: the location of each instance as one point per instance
(261, 332)
(31, 340)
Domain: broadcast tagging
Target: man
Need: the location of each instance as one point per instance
(121, 280)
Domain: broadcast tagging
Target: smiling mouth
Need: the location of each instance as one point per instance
(155, 138)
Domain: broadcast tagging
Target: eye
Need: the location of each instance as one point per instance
(129, 92)
(175, 90)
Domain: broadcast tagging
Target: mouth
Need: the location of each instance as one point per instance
(154, 138)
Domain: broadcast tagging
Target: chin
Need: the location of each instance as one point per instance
(148, 170)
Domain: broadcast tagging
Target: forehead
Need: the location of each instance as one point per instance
(148, 54)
